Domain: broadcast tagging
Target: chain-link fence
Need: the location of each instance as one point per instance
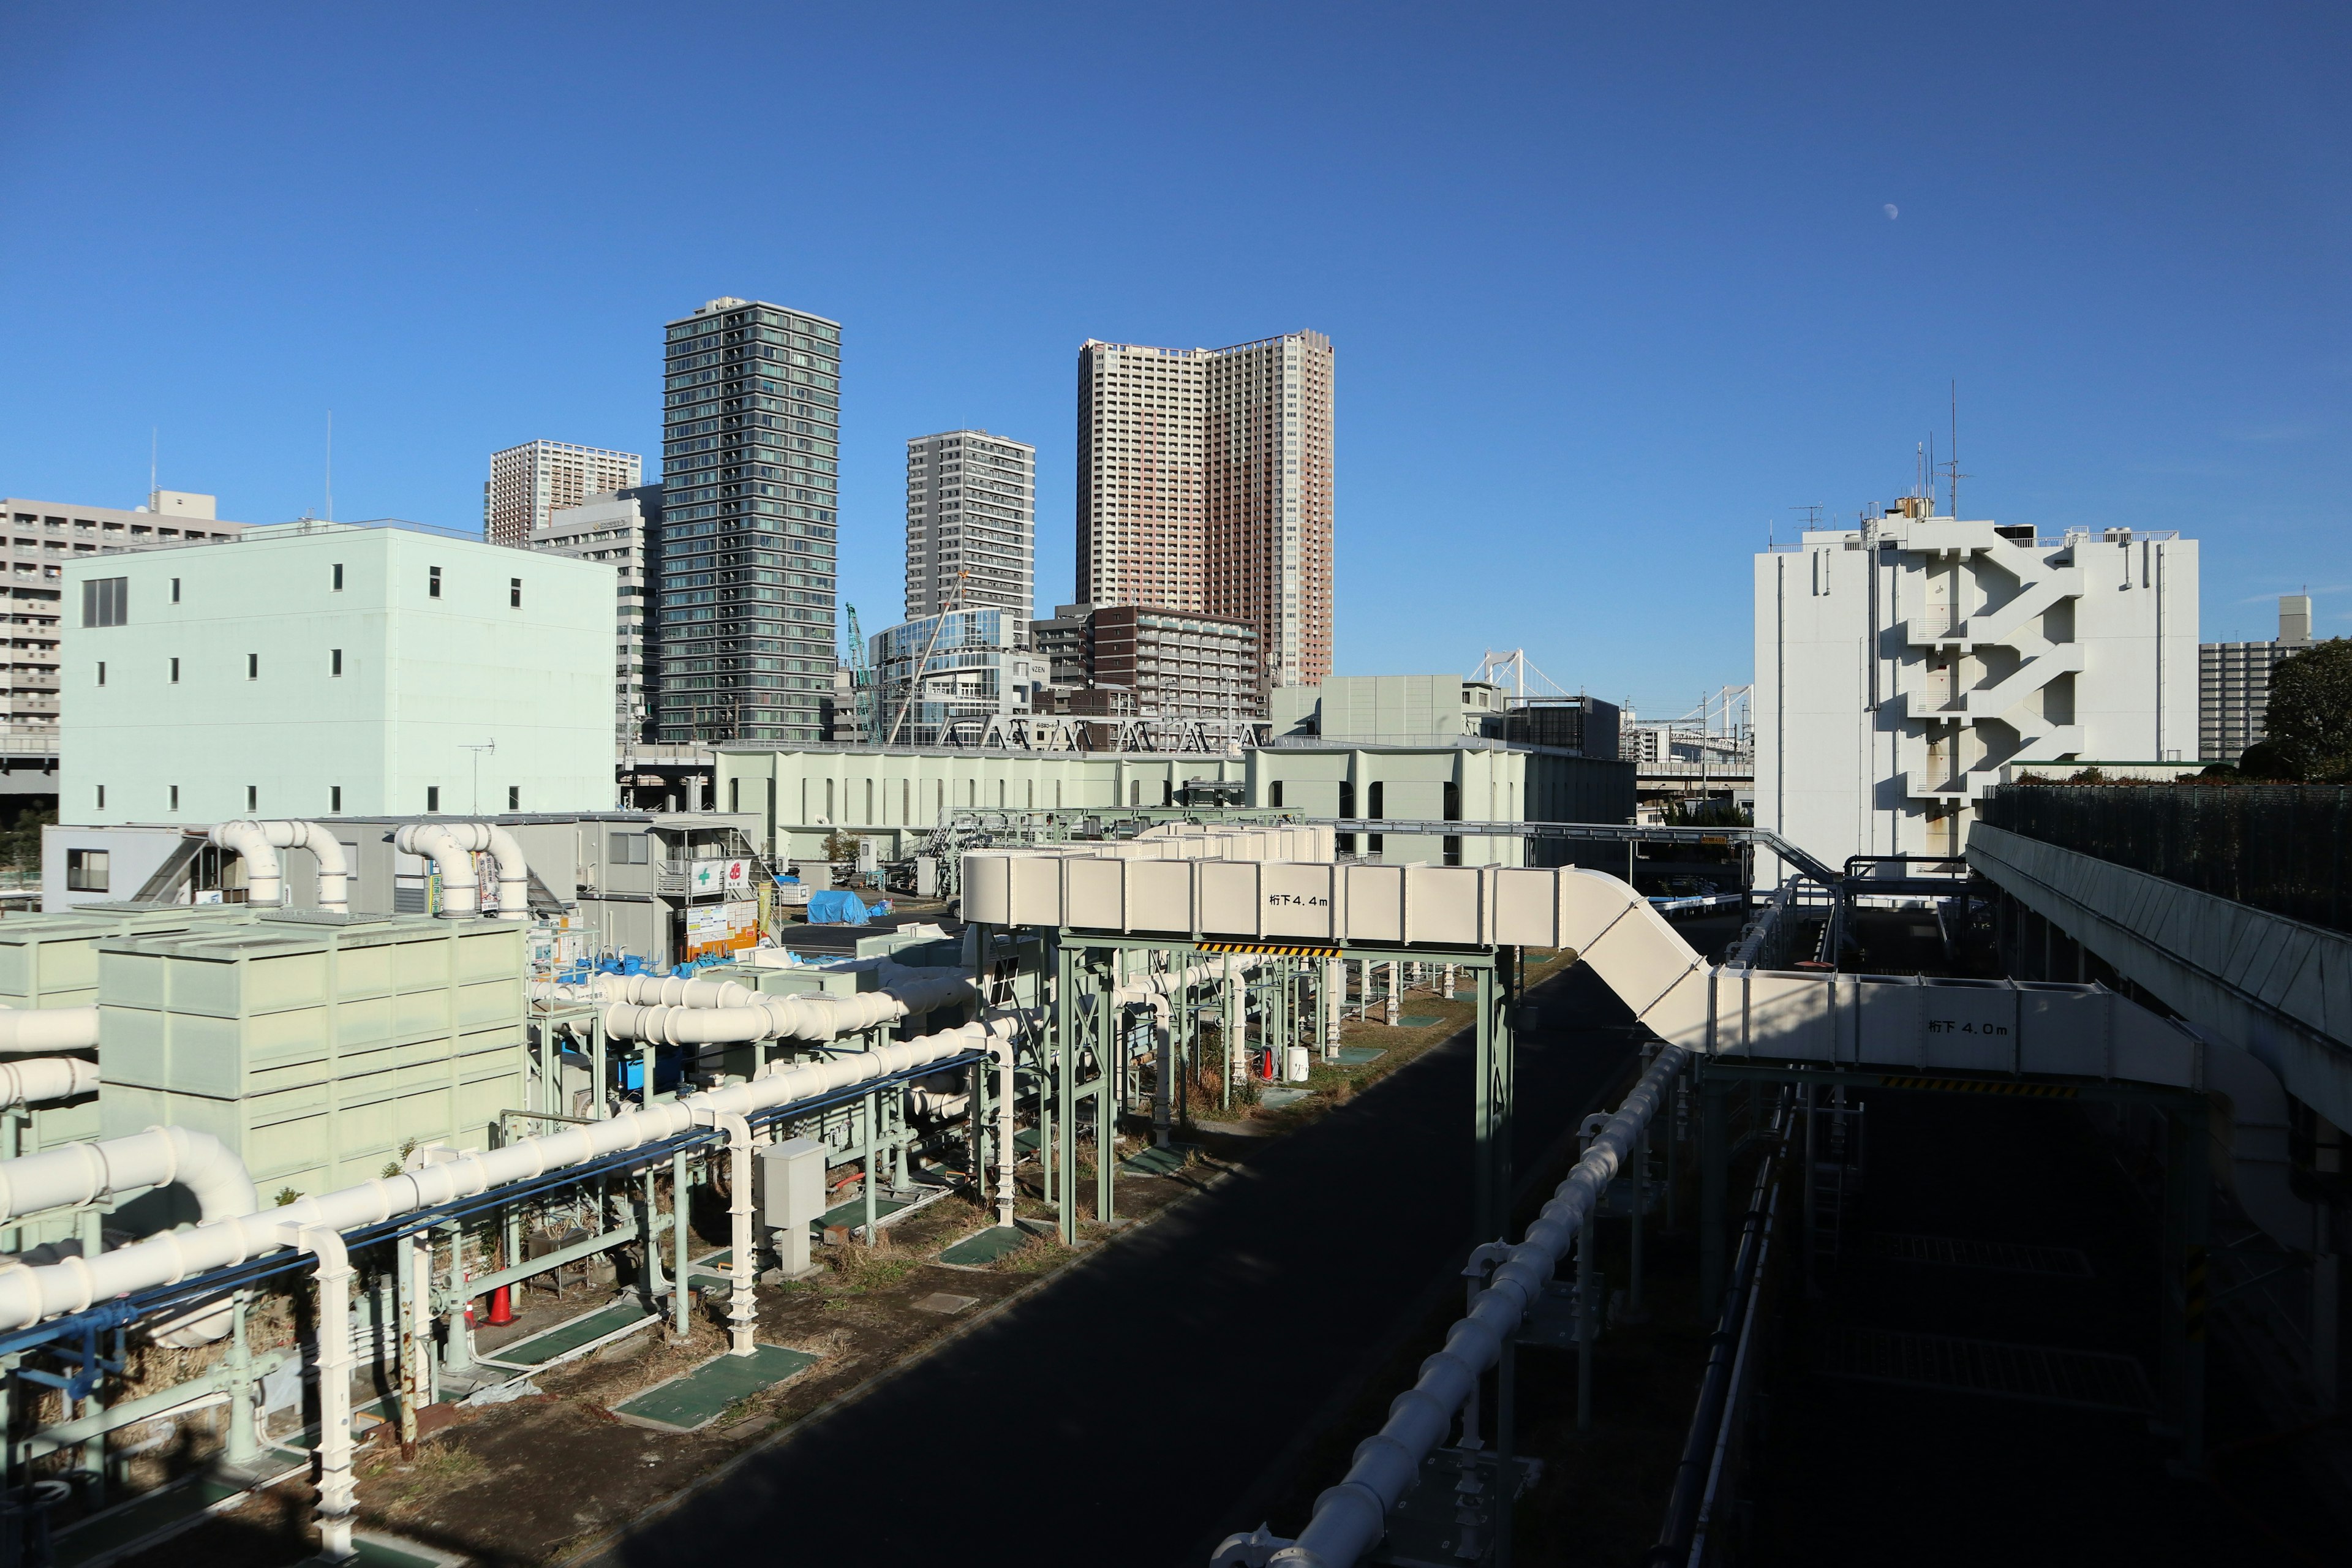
(2285, 848)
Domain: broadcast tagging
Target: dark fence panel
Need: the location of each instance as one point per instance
(2283, 848)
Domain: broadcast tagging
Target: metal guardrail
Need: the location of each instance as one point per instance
(2285, 848)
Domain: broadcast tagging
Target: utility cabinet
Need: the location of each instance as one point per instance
(316, 1045)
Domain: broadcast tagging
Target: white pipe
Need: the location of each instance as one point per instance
(741, 1312)
(337, 1498)
(1350, 1518)
(48, 1029)
(721, 1011)
(514, 871)
(451, 845)
(257, 845)
(38, 1079)
(29, 1295)
(83, 1173)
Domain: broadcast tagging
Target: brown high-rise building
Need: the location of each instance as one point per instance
(1205, 486)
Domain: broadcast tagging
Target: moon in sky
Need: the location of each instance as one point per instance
(1892, 211)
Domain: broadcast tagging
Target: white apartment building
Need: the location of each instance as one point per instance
(42, 537)
(972, 509)
(528, 484)
(616, 529)
(1902, 665)
(1205, 486)
(2234, 683)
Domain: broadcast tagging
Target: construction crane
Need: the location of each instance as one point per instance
(861, 693)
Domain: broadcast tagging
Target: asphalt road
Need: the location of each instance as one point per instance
(1129, 1412)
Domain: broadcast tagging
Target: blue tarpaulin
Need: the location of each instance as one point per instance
(837, 907)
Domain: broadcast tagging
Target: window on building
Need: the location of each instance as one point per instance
(86, 871)
(105, 601)
(175, 590)
(334, 661)
(1380, 790)
(1273, 795)
(514, 593)
(175, 672)
(432, 792)
(101, 797)
(339, 577)
(101, 672)
(175, 797)
(334, 797)
(514, 797)
(734, 794)
(1452, 807)
(626, 849)
(253, 667)
(1346, 799)
(433, 584)
(253, 797)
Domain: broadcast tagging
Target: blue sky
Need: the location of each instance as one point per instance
(1614, 290)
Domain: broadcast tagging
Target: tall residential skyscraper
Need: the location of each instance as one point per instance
(1205, 485)
(751, 448)
(972, 507)
(528, 482)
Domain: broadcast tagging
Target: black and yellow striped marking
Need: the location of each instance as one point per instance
(1271, 950)
(1982, 1086)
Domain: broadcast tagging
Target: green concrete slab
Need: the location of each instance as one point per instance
(156, 1514)
(539, 1349)
(693, 1400)
(390, 1551)
(1418, 1020)
(1360, 1055)
(1155, 1161)
(1025, 1141)
(986, 1247)
(1276, 1098)
(853, 1213)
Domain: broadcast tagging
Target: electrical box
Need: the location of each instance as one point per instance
(788, 1186)
(926, 876)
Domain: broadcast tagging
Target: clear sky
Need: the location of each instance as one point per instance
(1614, 288)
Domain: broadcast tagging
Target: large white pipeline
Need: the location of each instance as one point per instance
(257, 845)
(36, 1080)
(721, 1011)
(48, 1029)
(1350, 1518)
(31, 1294)
(450, 845)
(76, 1173)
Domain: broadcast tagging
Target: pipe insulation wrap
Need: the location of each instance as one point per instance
(679, 1012)
(257, 845)
(1350, 1518)
(48, 1029)
(29, 1295)
(451, 847)
(35, 1081)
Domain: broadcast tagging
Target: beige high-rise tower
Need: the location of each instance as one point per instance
(1205, 485)
(529, 483)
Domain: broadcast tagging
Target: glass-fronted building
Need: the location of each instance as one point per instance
(751, 449)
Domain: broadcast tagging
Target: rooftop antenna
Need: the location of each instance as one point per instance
(1952, 467)
(330, 465)
(154, 437)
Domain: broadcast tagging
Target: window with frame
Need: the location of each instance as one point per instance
(86, 870)
(627, 849)
(433, 583)
(105, 601)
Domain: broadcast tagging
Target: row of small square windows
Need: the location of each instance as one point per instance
(106, 601)
(253, 802)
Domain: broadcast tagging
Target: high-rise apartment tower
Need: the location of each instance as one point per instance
(972, 509)
(529, 482)
(751, 448)
(1205, 485)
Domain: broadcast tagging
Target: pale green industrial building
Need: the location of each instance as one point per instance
(320, 669)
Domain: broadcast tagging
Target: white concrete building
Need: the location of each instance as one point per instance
(529, 483)
(972, 509)
(617, 529)
(315, 670)
(1899, 666)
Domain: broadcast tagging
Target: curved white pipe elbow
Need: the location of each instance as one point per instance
(257, 845)
(48, 1029)
(451, 847)
(39, 1080)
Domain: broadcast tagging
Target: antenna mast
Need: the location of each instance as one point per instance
(330, 465)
